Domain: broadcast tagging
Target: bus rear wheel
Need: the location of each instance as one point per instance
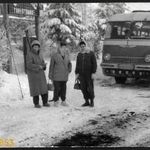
(120, 80)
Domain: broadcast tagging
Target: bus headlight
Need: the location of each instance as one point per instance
(107, 56)
(147, 58)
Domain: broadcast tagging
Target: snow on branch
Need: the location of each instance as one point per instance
(52, 12)
(70, 22)
(101, 21)
(61, 12)
(65, 29)
(77, 19)
(64, 13)
(82, 27)
(53, 21)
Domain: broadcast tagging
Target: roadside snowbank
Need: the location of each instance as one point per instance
(9, 88)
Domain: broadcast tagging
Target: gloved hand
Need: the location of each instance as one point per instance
(93, 76)
(44, 66)
(77, 76)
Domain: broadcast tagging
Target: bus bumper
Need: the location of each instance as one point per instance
(142, 67)
(126, 70)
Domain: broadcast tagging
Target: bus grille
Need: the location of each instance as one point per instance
(125, 59)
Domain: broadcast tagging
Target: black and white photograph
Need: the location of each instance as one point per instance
(74, 74)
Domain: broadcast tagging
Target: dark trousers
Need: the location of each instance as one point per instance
(44, 99)
(59, 90)
(87, 86)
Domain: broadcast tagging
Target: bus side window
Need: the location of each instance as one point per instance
(114, 33)
(127, 33)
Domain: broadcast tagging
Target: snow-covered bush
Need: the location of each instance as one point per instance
(4, 51)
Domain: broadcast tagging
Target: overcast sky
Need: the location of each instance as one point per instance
(131, 6)
(138, 6)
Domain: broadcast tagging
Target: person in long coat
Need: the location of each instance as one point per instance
(36, 76)
(60, 67)
(85, 70)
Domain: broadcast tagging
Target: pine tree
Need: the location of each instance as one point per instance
(106, 10)
(97, 27)
(61, 21)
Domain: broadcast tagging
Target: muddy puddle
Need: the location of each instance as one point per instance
(104, 131)
(88, 139)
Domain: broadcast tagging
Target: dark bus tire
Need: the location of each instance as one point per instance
(120, 80)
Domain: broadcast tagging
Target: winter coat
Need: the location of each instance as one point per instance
(59, 68)
(36, 75)
(86, 63)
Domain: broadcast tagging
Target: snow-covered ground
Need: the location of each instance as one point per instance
(28, 126)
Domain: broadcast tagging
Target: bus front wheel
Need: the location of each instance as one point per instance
(120, 80)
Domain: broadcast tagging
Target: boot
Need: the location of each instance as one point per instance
(56, 103)
(37, 106)
(45, 100)
(92, 102)
(63, 103)
(46, 105)
(86, 103)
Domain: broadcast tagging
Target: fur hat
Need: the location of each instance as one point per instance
(82, 42)
(35, 42)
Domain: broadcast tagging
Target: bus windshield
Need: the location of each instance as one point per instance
(126, 30)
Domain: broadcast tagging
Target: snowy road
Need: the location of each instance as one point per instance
(127, 105)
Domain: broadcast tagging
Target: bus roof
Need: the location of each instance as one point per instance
(134, 16)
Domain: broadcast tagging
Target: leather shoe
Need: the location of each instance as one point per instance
(46, 105)
(37, 106)
(85, 104)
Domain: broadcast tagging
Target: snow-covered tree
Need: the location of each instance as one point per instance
(17, 28)
(97, 19)
(103, 12)
(61, 21)
(4, 51)
(106, 10)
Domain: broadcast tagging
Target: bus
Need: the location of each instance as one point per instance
(126, 51)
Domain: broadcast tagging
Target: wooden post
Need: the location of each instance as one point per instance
(6, 22)
(37, 14)
(84, 14)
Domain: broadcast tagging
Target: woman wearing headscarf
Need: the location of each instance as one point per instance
(36, 76)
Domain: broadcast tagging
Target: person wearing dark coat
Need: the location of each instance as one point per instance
(36, 76)
(86, 66)
(60, 67)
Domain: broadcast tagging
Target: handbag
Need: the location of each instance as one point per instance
(77, 85)
(50, 86)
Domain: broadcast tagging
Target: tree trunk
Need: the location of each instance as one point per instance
(6, 22)
(84, 14)
(37, 21)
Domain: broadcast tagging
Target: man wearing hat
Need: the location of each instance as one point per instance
(86, 66)
(60, 67)
(36, 75)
